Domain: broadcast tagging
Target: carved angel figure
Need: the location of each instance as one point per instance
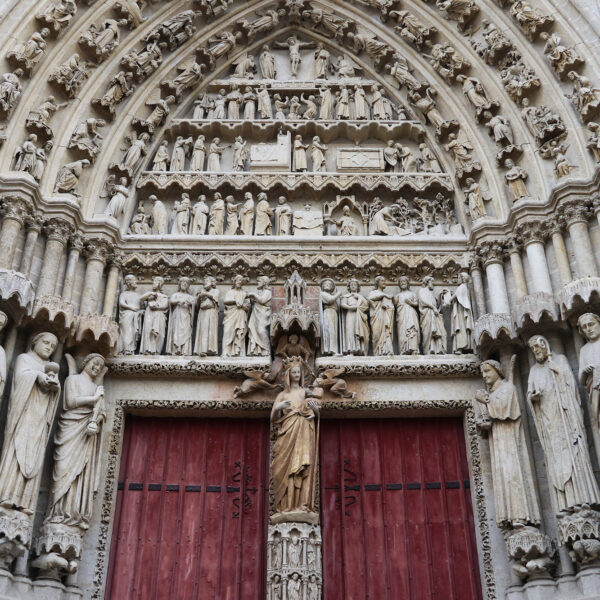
(77, 444)
(330, 379)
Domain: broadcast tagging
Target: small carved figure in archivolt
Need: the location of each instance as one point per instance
(67, 178)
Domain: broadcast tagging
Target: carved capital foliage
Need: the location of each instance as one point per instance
(34, 222)
(531, 231)
(514, 244)
(76, 242)
(16, 206)
(98, 249)
(574, 211)
(491, 252)
(58, 230)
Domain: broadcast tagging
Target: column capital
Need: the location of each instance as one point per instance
(574, 211)
(58, 230)
(596, 202)
(491, 252)
(76, 241)
(474, 262)
(16, 206)
(98, 249)
(34, 222)
(555, 225)
(514, 244)
(531, 231)
(116, 259)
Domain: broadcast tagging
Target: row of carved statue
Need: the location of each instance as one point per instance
(225, 216)
(251, 103)
(352, 324)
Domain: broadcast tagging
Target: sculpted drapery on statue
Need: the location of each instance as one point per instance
(355, 328)
(235, 320)
(382, 319)
(32, 405)
(407, 319)
(155, 318)
(207, 340)
(3, 366)
(77, 444)
(130, 316)
(514, 491)
(258, 325)
(552, 392)
(295, 452)
(181, 320)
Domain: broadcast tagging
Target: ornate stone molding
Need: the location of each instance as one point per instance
(530, 551)
(574, 211)
(98, 249)
(448, 365)
(531, 231)
(494, 328)
(535, 309)
(580, 532)
(491, 251)
(16, 289)
(394, 182)
(577, 296)
(100, 329)
(16, 206)
(58, 229)
(55, 310)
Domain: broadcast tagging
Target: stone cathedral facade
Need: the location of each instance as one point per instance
(300, 299)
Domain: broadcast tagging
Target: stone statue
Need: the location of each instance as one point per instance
(140, 221)
(429, 162)
(181, 320)
(514, 487)
(234, 101)
(10, 91)
(207, 330)
(25, 155)
(326, 109)
(593, 142)
(28, 54)
(402, 72)
(530, 19)
(155, 318)
(199, 216)
(265, 110)
(86, 137)
(249, 101)
(130, 316)
(317, 151)
(239, 154)
(585, 97)
(218, 46)
(300, 163)
(67, 178)
(235, 320)
(283, 217)
(294, 587)
(260, 319)
(311, 111)
(433, 331)
(461, 152)
(160, 218)
(119, 87)
(119, 194)
(40, 117)
(390, 156)
(333, 25)
(247, 215)
(175, 31)
(294, 463)
(502, 131)
(233, 222)
(409, 162)
(355, 325)
(181, 150)
(198, 154)
(361, 104)
(562, 58)
(214, 156)
(161, 158)
(475, 94)
(515, 179)
(294, 45)
(219, 108)
(182, 210)
(77, 444)
(265, 22)
(244, 67)
(474, 199)
(407, 319)
(135, 153)
(588, 325)
(58, 15)
(101, 41)
(330, 316)
(32, 405)
(381, 310)
(267, 63)
(562, 166)
(159, 114)
(345, 225)
(295, 106)
(322, 64)
(342, 103)
(263, 216)
(554, 398)
(462, 322)
(312, 589)
(216, 215)
(542, 122)
(143, 62)
(202, 106)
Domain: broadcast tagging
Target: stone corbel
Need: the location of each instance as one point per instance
(578, 297)
(580, 533)
(535, 312)
(531, 552)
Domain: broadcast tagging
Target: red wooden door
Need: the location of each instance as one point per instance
(396, 508)
(191, 510)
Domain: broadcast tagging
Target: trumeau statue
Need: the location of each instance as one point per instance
(554, 398)
(433, 332)
(235, 320)
(589, 368)
(355, 325)
(514, 487)
(294, 463)
(32, 405)
(155, 318)
(381, 310)
(407, 319)
(77, 444)
(260, 319)
(130, 316)
(181, 320)
(207, 330)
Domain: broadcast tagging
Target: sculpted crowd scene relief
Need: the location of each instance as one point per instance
(382, 322)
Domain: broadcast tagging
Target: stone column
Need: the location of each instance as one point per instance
(112, 283)
(576, 214)
(532, 234)
(493, 261)
(56, 241)
(476, 277)
(560, 250)
(16, 208)
(516, 264)
(98, 252)
(34, 226)
(76, 246)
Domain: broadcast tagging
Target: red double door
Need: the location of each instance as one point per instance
(192, 505)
